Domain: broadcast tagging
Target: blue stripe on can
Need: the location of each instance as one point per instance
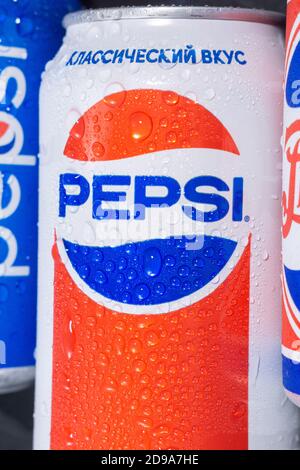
(291, 375)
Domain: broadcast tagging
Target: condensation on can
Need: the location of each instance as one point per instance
(147, 344)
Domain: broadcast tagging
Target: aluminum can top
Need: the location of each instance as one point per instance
(264, 4)
(175, 12)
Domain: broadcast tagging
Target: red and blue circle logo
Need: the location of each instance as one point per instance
(146, 187)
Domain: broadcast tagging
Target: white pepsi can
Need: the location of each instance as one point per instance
(159, 284)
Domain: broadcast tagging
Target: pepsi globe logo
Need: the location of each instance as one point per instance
(292, 67)
(5, 138)
(11, 136)
(143, 199)
(291, 227)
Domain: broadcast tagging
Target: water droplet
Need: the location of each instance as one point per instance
(171, 137)
(115, 95)
(110, 267)
(125, 380)
(184, 271)
(122, 264)
(131, 274)
(160, 288)
(151, 338)
(135, 346)
(91, 321)
(210, 94)
(126, 297)
(139, 366)
(84, 271)
(78, 129)
(209, 252)
(68, 342)
(120, 279)
(163, 122)
(152, 147)
(199, 262)
(141, 126)
(100, 277)
(152, 262)
(108, 116)
(97, 256)
(186, 286)
(145, 422)
(142, 292)
(175, 282)
(119, 345)
(98, 150)
(170, 261)
(266, 256)
(170, 98)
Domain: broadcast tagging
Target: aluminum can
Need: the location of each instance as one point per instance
(160, 292)
(291, 213)
(30, 34)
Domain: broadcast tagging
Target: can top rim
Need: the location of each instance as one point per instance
(176, 12)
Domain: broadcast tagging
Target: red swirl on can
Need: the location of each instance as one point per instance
(177, 380)
(137, 122)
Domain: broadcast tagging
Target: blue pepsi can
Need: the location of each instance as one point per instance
(30, 34)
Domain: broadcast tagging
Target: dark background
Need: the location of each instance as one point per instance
(16, 409)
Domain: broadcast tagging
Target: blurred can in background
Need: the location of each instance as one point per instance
(159, 281)
(291, 208)
(30, 33)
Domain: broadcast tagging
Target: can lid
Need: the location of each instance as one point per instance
(187, 11)
(264, 4)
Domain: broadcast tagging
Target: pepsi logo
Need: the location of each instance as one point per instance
(11, 136)
(3, 129)
(6, 136)
(151, 202)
